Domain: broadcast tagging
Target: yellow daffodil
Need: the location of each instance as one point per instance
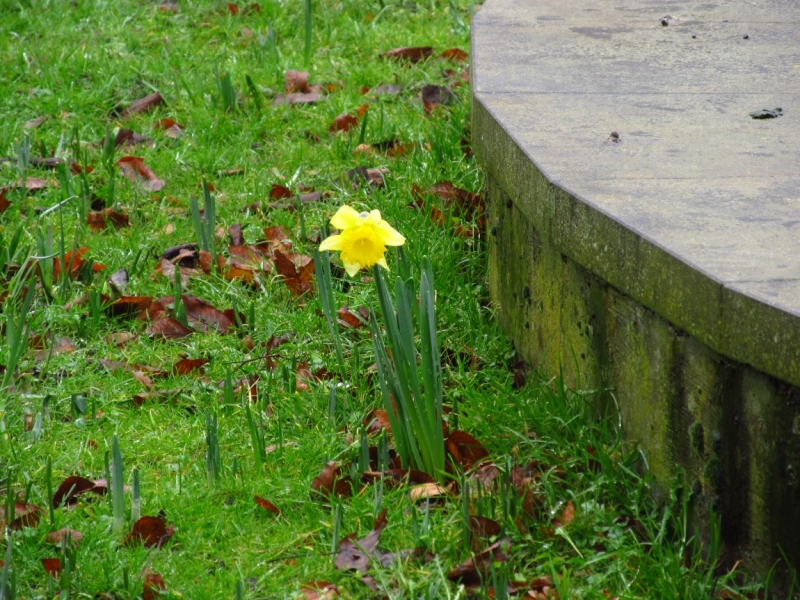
(363, 239)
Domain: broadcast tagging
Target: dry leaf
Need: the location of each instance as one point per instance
(296, 271)
(152, 532)
(152, 585)
(414, 55)
(168, 328)
(71, 535)
(475, 570)
(331, 482)
(134, 169)
(98, 220)
(267, 505)
(143, 105)
(455, 54)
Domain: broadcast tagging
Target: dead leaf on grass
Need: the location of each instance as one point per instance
(25, 515)
(483, 527)
(475, 570)
(296, 271)
(152, 586)
(374, 178)
(100, 219)
(465, 450)
(135, 171)
(187, 366)
(35, 122)
(388, 89)
(296, 98)
(152, 532)
(142, 105)
(267, 505)
(376, 420)
(168, 328)
(129, 138)
(566, 517)
(344, 122)
(349, 320)
(319, 590)
(75, 262)
(52, 566)
(519, 373)
(171, 128)
(414, 54)
(70, 535)
(73, 487)
(434, 96)
(455, 54)
(157, 397)
(331, 482)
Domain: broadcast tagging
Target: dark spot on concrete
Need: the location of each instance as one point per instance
(713, 472)
(694, 37)
(767, 113)
(549, 18)
(746, 36)
(696, 437)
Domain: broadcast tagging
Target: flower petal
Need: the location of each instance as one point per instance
(346, 217)
(352, 268)
(332, 242)
(373, 218)
(389, 235)
(382, 262)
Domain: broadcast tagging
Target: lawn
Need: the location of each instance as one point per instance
(168, 172)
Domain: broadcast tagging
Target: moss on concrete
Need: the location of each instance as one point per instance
(732, 431)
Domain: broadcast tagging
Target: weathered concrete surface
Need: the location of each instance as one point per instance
(665, 265)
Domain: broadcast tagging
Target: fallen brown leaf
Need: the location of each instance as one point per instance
(414, 54)
(296, 98)
(171, 128)
(344, 122)
(129, 138)
(142, 105)
(185, 366)
(168, 328)
(73, 487)
(434, 96)
(464, 449)
(152, 586)
(455, 54)
(152, 532)
(475, 570)
(75, 262)
(71, 535)
(134, 169)
(296, 271)
(267, 505)
(52, 566)
(319, 590)
(331, 482)
(98, 220)
(36, 122)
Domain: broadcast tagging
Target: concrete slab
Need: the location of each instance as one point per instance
(662, 261)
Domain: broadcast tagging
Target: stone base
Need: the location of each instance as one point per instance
(733, 430)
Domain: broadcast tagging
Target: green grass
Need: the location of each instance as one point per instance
(76, 61)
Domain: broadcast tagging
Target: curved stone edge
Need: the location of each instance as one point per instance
(732, 430)
(728, 321)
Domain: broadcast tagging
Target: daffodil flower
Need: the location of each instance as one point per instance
(363, 239)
